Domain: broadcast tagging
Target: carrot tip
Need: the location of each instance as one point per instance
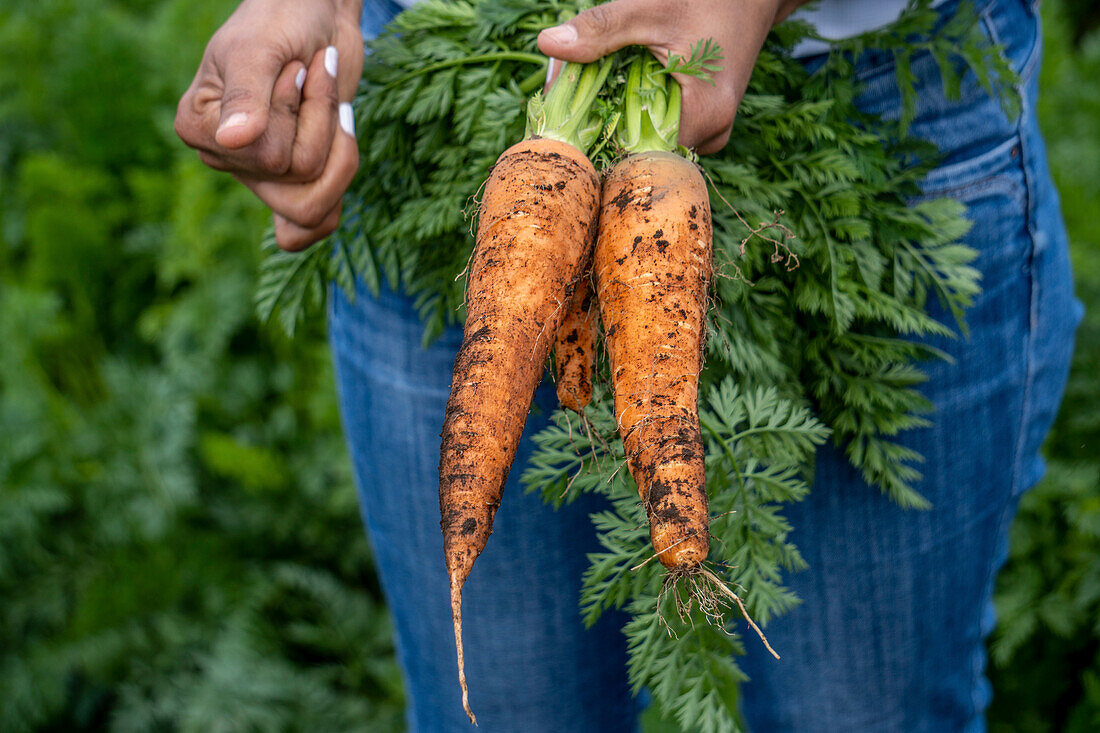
(456, 616)
(741, 605)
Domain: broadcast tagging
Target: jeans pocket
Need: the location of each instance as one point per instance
(994, 188)
(998, 170)
(1014, 26)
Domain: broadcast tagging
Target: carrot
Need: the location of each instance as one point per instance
(652, 267)
(535, 232)
(575, 351)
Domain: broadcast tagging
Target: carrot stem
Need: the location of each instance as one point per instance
(566, 112)
(651, 109)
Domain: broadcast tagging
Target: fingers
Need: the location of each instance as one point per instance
(287, 137)
(317, 117)
(706, 113)
(713, 144)
(294, 238)
(249, 78)
(668, 27)
(270, 154)
(306, 209)
(606, 28)
(553, 68)
(708, 109)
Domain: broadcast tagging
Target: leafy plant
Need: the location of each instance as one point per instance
(179, 542)
(825, 279)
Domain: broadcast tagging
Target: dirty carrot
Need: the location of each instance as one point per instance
(535, 231)
(652, 267)
(575, 351)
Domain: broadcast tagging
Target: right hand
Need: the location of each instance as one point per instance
(245, 113)
(672, 27)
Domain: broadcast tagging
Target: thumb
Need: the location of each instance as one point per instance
(604, 29)
(249, 78)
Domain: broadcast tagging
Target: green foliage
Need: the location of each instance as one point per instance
(682, 638)
(825, 275)
(868, 262)
(179, 542)
(702, 62)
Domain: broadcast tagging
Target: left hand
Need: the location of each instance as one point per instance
(270, 103)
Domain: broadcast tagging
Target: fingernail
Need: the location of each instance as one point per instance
(330, 61)
(300, 79)
(562, 33)
(347, 118)
(551, 65)
(237, 119)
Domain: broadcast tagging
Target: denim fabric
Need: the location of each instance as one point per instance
(375, 15)
(896, 604)
(530, 663)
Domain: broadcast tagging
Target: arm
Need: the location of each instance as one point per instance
(270, 103)
(738, 26)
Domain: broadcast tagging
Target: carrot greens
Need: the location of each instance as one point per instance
(824, 275)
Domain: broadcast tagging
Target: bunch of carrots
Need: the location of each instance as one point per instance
(554, 244)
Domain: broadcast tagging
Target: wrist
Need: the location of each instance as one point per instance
(349, 8)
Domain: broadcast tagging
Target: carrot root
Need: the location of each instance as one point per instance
(456, 617)
(535, 234)
(575, 351)
(652, 267)
(717, 583)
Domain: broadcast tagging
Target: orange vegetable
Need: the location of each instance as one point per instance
(652, 267)
(535, 233)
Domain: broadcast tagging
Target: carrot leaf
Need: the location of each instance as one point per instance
(702, 63)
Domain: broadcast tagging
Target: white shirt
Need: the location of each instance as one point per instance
(840, 19)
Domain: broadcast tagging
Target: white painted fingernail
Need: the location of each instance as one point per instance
(237, 119)
(551, 64)
(347, 118)
(330, 61)
(300, 79)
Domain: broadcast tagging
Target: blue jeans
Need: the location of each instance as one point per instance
(896, 604)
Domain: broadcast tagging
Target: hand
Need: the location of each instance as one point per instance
(673, 27)
(270, 104)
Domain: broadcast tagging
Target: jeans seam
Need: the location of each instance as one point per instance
(980, 658)
(1029, 221)
(1033, 54)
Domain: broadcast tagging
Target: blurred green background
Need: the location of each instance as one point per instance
(180, 547)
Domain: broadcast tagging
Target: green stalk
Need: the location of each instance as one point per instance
(566, 112)
(651, 109)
